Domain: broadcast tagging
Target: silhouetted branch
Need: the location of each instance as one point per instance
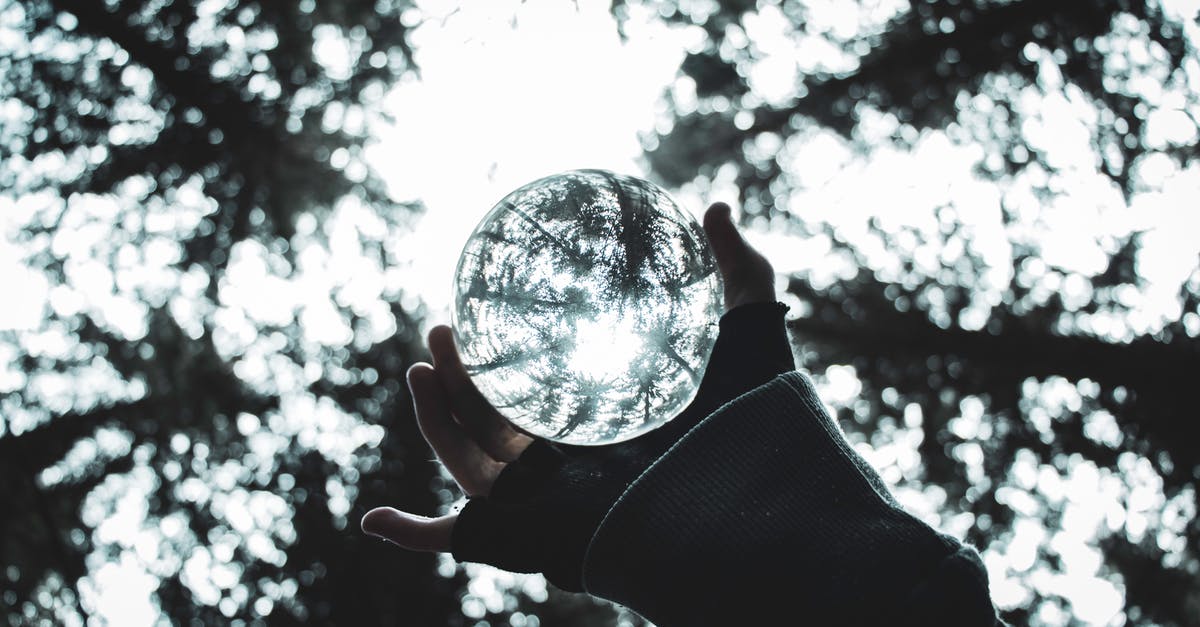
(908, 57)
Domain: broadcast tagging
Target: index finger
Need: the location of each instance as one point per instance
(413, 532)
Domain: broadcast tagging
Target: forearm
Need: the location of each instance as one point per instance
(764, 511)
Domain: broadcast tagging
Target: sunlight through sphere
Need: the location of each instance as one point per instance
(586, 306)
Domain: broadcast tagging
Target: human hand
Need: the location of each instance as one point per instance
(534, 505)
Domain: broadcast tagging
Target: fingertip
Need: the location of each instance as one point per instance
(372, 522)
(420, 370)
(720, 206)
(422, 382)
(717, 212)
(441, 335)
(723, 236)
(441, 345)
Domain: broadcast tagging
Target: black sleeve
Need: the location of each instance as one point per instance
(764, 514)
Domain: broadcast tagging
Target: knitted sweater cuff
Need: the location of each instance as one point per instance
(764, 511)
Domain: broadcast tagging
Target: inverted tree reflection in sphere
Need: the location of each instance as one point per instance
(586, 306)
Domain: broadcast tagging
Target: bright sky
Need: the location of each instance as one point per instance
(499, 106)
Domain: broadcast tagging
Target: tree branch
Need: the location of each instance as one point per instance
(909, 58)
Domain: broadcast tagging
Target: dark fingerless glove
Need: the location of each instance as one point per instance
(545, 507)
(790, 523)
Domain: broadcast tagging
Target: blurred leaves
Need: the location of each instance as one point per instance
(1003, 308)
(952, 352)
(147, 149)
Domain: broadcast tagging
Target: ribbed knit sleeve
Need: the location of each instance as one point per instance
(763, 514)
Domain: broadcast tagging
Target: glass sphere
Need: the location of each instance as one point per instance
(585, 307)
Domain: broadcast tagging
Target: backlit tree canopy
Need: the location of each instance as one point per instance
(206, 339)
(992, 212)
(984, 213)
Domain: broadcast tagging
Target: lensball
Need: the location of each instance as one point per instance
(585, 307)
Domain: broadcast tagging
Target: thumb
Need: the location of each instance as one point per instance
(749, 277)
(410, 531)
